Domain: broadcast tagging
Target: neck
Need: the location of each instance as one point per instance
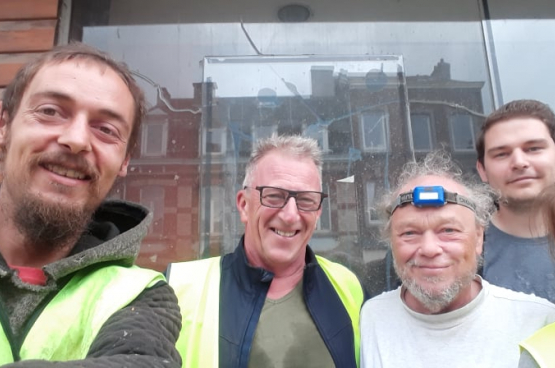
(18, 251)
(283, 284)
(522, 224)
(286, 276)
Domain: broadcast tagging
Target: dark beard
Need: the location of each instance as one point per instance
(518, 205)
(50, 226)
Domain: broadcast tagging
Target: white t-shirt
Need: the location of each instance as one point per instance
(484, 333)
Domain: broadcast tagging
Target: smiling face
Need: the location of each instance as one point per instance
(67, 142)
(519, 160)
(276, 238)
(435, 250)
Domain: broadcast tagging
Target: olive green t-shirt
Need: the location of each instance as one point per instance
(286, 336)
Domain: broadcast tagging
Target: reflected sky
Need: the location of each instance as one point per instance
(172, 55)
(525, 53)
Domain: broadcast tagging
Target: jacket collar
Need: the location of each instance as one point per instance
(251, 277)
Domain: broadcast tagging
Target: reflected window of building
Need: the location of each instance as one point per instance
(340, 136)
(371, 210)
(154, 140)
(318, 133)
(215, 194)
(346, 213)
(261, 132)
(214, 141)
(421, 126)
(462, 132)
(374, 130)
(324, 222)
(152, 197)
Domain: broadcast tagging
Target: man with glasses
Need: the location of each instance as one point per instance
(272, 302)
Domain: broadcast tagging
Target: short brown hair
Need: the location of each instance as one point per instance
(516, 109)
(75, 51)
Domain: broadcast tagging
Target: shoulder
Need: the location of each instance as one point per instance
(518, 299)
(382, 303)
(326, 264)
(338, 274)
(179, 269)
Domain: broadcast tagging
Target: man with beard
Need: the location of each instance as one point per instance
(69, 293)
(435, 223)
(516, 157)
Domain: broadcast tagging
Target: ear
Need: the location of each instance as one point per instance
(242, 205)
(482, 171)
(3, 127)
(479, 240)
(123, 170)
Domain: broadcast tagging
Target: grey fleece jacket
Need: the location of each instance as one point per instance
(151, 322)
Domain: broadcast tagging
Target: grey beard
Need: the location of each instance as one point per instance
(50, 226)
(435, 302)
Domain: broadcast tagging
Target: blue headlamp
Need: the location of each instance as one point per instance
(431, 196)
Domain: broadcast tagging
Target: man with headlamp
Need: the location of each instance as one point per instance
(435, 224)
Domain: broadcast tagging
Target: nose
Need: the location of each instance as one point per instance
(76, 135)
(519, 159)
(290, 213)
(430, 246)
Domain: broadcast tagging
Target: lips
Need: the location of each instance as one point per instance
(287, 234)
(521, 178)
(67, 165)
(68, 173)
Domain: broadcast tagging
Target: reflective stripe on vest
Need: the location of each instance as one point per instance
(5, 348)
(350, 292)
(68, 325)
(540, 346)
(197, 286)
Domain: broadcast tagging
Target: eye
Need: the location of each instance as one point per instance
(274, 196)
(48, 111)
(107, 130)
(534, 149)
(408, 233)
(500, 155)
(306, 199)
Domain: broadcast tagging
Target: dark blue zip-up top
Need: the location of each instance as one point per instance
(243, 290)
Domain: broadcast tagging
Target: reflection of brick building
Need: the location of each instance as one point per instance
(163, 175)
(189, 175)
(446, 111)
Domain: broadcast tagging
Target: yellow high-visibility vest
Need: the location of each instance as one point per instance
(540, 346)
(68, 325)
(197, 286)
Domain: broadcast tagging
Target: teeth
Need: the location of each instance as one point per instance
(66, 172)
(285, 233)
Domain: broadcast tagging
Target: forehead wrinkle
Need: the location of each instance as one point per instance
(53, 94)
(430, 216)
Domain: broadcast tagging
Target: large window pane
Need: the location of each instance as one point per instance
(371, 66)
(522, 52)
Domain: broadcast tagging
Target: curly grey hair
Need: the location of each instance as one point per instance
(439, 163)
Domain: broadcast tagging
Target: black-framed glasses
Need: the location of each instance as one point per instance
(306, 200)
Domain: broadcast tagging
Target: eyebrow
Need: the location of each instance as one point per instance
(529, 142)
(67, 98)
